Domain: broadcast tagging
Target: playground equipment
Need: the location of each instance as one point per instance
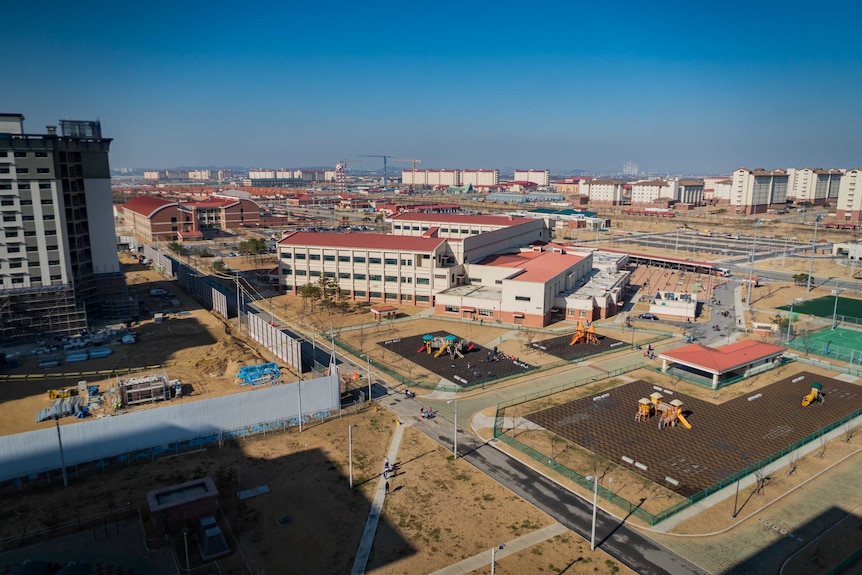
(814, 395)
(584, 335)
(451, 344)
(669, 413)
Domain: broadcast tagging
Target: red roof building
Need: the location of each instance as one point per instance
(743, 358)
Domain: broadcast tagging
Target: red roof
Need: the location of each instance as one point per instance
(362, 241)
(725, 358)
(537, 266)
(212, 203)
(147, 205)
(503, 221)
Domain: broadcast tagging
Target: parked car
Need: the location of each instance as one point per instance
(648, 316)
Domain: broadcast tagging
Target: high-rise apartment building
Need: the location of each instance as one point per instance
(58, 251)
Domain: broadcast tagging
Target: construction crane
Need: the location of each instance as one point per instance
(413, 162)
(341, 173)
(384, 164)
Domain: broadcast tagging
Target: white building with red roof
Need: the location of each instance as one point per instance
(743, 358)
(156, 219)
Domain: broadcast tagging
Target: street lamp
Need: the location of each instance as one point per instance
(813, 248)
(790, 318)
(59, 409)
(455, 437)
(757, 224)
(595, 480)
(494, 556)
(835, 292)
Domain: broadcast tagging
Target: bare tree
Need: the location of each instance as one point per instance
(795, 460)
(849, 431)
(822, 451)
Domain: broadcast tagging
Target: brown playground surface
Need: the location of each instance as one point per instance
(724, 438)
(484, 366)
(559, 346)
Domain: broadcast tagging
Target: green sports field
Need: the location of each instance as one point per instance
(825, 307)
(842, 344)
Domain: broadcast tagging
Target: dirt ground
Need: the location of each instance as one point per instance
(439, 510)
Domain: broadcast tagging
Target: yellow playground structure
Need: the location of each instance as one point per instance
(669, 413)
(814, 395)
(583, 335)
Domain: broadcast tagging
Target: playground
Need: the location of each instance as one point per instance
(825, 307)
(454, 358)
(584, 342)
(838, 343)
(686, 444)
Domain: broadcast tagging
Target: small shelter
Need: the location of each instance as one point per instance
(382, 312)
(743, 358)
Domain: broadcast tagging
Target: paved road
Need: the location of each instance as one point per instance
(626, 545)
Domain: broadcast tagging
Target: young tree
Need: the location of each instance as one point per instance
(218, 265)
(309, 292)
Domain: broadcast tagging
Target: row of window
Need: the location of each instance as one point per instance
(20, 280)
(5, 154)
(359, 277)
(346, 259)
(27, 234)
(463, 231)
(6, 170)
(481, 312)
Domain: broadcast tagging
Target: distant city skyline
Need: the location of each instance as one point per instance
(673, 88)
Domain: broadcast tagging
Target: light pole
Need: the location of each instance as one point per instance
(757, 224)
(790, 318)
(494, 556)
(350, 450)
(595, 480)
(835, 292)
(813, 248)
(455, 437)
(62, 458)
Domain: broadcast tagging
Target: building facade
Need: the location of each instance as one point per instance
(539, 177)
(849, 204)
(606, 192)
(648, 191)
(58, 258)
(690, 192)
(480, 178)
(755, 190)
(814, 185)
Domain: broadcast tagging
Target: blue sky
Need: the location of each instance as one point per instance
(683, 87)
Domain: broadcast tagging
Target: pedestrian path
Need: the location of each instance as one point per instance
(483, 559)
(740, 307)
(367, 541)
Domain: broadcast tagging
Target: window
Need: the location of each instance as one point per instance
(424, 228)
(287, 272)
(11, 234)
(329, 274)
(344, 259)
(314, 257)
(475, 232)
(42, 170)
(406, 262)
(359, 276)
(582, 313)
(375, 277)
(498, 282)
(391, 296)
(17, 249)
(397, 226)
(9, 218)
(286, 255)
(20, 154)
(374, 260)
(465, 231)
(358, 293)
(301, 273)
(26, 202)
(44, 186)
(300, 256)
(375, 294)
(288, 287)
(406, 280)
(475, 280)
(423, 298)
(486, 312)
(22, 170)
(407, 297)
(390, 262)
(521, 298)
(315, 274)
(422, 281)
(47, 233)
(452, 309)
(359, 259)
(4, 170)
(415, 228)
(57, 277)
(343, 276)
(14, 264)
(444, 230)
(41, 154)
(391, 279)
(47, 217)
(7, 201)
(440, 276)
(329, 258)
(46, 202)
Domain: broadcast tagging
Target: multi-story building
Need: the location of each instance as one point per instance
(755, 190)
(58, 257)
(717, 189)
(648, 191)
(369, 267)
(538, 177)
(431, 177)
(813, 185)
(572, 186)
(690, 192)
(849, 204)
(480, 178)
(606, 192)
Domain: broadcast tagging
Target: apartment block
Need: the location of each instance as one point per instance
(538, 177)
(849, 203)
(690, 192)
(649, 191)
(58, 256)
(814, 185)
(755, 190)
(606, 192)
(480, 178)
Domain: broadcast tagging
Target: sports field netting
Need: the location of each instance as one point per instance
(848, 309)
(841, 344)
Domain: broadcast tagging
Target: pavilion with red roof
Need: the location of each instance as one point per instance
(743, 358)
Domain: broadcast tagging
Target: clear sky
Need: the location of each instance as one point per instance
(694, 87)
